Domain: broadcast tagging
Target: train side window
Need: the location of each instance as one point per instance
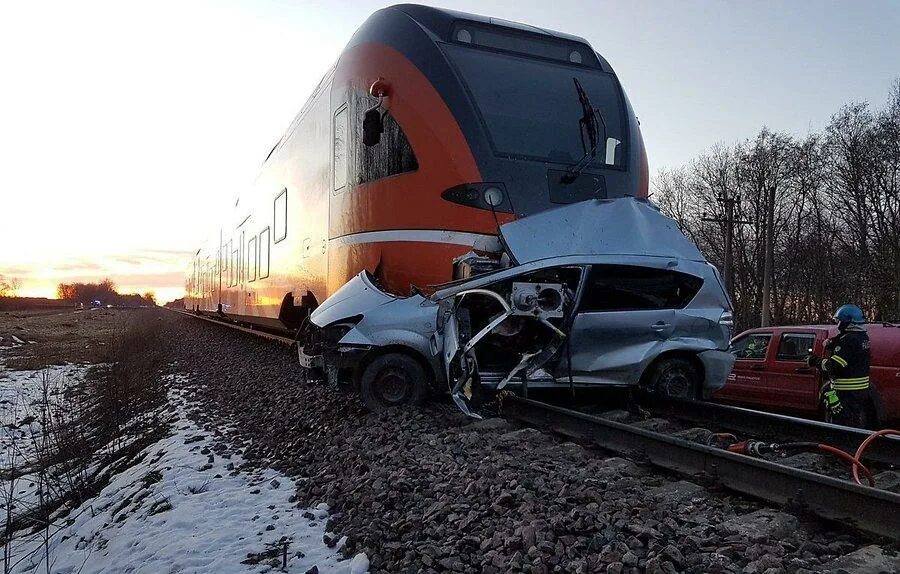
(392, 155)
(264, 253)
(251, 259)
(281, 216)
(340, 149)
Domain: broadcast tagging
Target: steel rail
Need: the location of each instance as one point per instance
(266, 335)
(884, 450)
(867, 509)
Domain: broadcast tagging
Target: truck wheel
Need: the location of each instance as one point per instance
(675, 379)
(392, 380)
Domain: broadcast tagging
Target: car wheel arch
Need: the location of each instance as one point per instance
(375, 352)
(688, 355)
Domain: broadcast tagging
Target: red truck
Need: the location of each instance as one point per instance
(770, 370)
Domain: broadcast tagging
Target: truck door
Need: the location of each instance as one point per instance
(792, 383)
(748, 380)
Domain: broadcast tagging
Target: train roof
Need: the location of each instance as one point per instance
(440, 21)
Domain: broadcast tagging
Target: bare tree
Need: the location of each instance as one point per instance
(819, 217)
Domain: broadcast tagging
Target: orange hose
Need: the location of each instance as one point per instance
(864, 445)
(854, 462)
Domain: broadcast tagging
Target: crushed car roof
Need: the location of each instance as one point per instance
(624, 226)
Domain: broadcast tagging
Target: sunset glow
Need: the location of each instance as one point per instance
(129, 127)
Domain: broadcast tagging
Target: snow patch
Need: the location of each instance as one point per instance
(187, 508)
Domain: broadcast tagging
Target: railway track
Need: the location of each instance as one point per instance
(884, 451)
(867, 509)
(280, 339)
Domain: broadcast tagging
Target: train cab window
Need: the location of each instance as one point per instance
(340, 149)
(251, 259)
(281, 216)
(264, 253)
(753, 346)
(392, 155)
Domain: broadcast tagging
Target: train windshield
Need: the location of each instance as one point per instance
(532, 110)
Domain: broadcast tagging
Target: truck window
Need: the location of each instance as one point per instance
(795, 346)
(752, 346)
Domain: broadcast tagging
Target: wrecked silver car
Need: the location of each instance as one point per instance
(601, 292)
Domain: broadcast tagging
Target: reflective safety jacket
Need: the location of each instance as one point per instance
(849, 362)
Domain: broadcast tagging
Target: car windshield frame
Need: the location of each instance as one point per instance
(615, 125)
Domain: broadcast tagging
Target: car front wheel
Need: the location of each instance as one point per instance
(392, 380)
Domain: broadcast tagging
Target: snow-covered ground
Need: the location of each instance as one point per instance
(184, 508)
(21, 399)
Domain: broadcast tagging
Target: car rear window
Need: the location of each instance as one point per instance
(631, 288)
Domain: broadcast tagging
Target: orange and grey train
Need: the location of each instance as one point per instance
(433, 128)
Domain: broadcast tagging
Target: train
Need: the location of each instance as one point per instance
(473, 122)
(462, 204)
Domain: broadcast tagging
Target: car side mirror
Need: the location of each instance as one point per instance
(373, 127)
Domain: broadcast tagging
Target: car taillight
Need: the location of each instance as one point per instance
(727, 320)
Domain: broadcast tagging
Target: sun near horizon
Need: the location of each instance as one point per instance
(129, 128)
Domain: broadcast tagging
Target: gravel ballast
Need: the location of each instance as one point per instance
(427, 489)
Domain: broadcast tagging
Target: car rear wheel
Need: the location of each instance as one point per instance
(675, 379)
(391, 380)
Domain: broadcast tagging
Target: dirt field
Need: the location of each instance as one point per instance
(56, 338)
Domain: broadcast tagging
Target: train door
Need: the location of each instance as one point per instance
(242, 276)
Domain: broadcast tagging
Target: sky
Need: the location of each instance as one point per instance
(127, 128)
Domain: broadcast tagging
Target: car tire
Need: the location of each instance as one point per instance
(675, 379)
(392, 380)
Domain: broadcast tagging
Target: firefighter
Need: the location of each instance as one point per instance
(846, 394)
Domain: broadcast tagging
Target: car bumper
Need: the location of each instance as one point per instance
(717, 366)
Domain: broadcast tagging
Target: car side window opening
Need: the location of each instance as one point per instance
(340, 149)
(264, 253)
(251, 259)
(753, 346)
(634, 288)
(280, 220)
(392, 155)
(795, 346)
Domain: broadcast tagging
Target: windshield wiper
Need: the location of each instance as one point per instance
(590, 119)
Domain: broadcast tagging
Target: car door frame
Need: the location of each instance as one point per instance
(792, 384)
(748, 379)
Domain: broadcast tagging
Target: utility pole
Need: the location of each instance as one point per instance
(766, 316)
(730, 220)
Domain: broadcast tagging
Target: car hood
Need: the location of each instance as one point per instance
(624, 226)
(356, 297)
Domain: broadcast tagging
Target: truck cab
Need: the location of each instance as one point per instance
(770, 370)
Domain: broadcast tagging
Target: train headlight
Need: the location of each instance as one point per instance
(464, 36)
(493, 196)
(481, 195)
